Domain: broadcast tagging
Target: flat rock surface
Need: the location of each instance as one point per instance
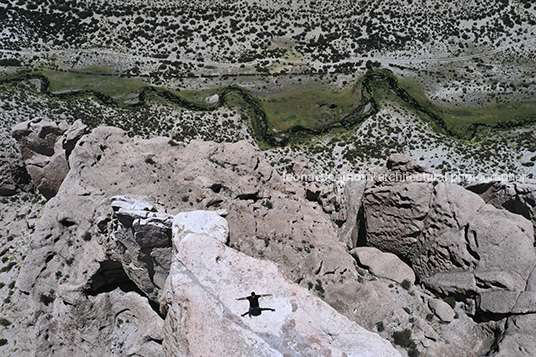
(206, 279)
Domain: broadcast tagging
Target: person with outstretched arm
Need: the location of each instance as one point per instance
(254, 308)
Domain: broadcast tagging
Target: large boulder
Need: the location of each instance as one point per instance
(516, 197)
(455, 242)
(384, 265)
(518, 337)
(204, 315)
(352, 226)
(45, 147)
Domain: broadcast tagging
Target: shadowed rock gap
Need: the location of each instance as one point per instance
(111, 276)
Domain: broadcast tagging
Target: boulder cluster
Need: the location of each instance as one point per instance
(144, 246)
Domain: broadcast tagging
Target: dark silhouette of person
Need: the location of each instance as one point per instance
(254, 308)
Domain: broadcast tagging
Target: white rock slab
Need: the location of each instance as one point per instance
(204, 317)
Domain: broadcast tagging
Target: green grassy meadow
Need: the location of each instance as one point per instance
(98, 79)
(310, 108)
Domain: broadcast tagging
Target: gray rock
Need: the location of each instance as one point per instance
(299, 167)
(85, 247)
(384, 265)
(516, 197)
(525, 303)
(455, 242)
(460, 283)
(353, 197)
(394, 214)
(518, 337)
(72, 135)
(531, 282)
(38, 137)
(45, 147)
(375, 303)
(497, 301)
(13, 174)
(442, 310)
(152, 233)
(402, 163)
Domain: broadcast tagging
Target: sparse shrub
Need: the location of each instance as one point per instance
(7, 267)
(413, 352)
(406, 284)
(450, 300)
(429, 317)
(3, 341)
(46, 299)
(403, 338)
(4, 321)
(380, 327)
(87, 236)
(319, 288)
(149, 160)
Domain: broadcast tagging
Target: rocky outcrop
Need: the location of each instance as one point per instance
(142, 243)
(13, 175)
(457, 245)
(455, 242)
(45, 147)
(302, 324)
(442, 310)
(516, 197)
(106, 238)
(518, 338)
(353, 224)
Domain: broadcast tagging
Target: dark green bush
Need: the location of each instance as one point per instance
(46, 299)
(450, 300)
(403, 338)
(406, 284)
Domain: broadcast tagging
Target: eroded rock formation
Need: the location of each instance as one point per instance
(105, 272)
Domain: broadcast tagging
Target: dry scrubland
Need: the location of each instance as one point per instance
(471, 60)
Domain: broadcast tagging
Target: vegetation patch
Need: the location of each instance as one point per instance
(98, 79)
(312, 108)
(279, 120)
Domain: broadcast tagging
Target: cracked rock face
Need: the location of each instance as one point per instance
(45, 147)
(455, 242)
(13, 175)
(516, 197)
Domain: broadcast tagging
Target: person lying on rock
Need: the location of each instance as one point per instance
(254, 308)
